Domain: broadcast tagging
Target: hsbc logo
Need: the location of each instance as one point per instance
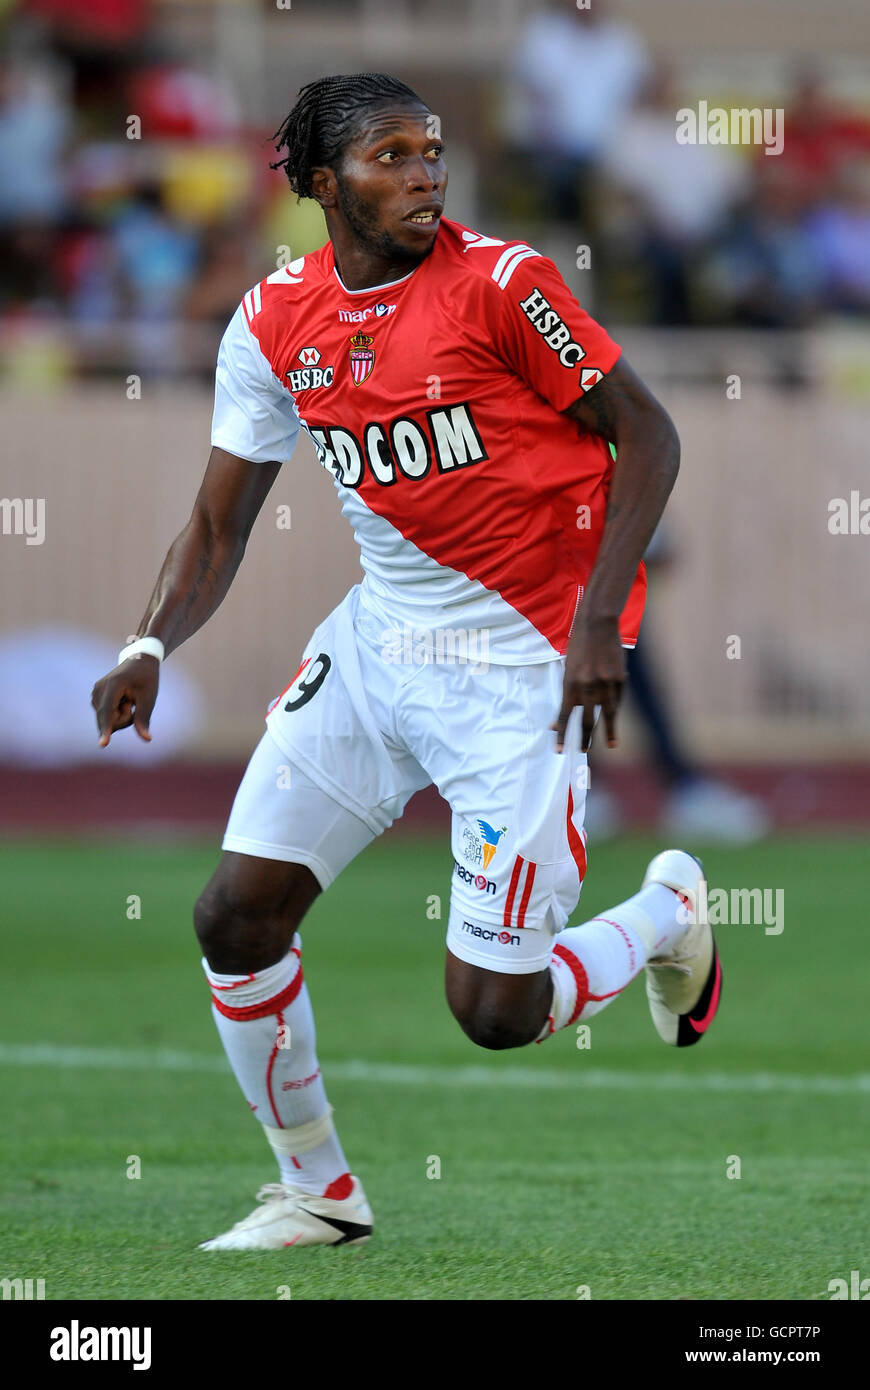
(552, 329)
(479, 881)
(309, 357)
(379, 311)
(504, 938)
(309, 378)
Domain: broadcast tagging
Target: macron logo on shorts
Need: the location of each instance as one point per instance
(478, 881)
(505, 938)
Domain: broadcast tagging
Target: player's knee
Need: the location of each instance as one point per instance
(496, 1030)
(221, 927)
(210, 920)
(245, 918)
(239, 933)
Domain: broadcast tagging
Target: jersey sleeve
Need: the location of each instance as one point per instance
(255, 417)
(546, 337)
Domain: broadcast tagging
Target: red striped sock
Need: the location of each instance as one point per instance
(266, 1025)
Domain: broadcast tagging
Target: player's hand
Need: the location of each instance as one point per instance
(594, 675)
(126, 696)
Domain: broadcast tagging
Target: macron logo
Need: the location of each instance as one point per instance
(75, 1343)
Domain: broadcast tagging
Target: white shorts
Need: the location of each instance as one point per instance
(358, 731)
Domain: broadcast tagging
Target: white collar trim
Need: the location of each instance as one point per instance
(371, 289)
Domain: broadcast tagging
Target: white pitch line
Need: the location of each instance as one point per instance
(582, 1077)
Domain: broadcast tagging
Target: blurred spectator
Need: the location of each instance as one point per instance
(226, 272)
(765, 272)
(677, 198)
(573, 76)
(839, 231)
(34, 132)
(177, 101)
(156, 256)
(99, 41)
(820, 137)
(697, 804)
(93, 23)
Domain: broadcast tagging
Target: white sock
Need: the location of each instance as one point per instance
(592, 964)
(266, 1025)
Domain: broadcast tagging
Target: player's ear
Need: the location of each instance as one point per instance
(324, 187)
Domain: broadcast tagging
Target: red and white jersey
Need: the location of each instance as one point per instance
(435, 401)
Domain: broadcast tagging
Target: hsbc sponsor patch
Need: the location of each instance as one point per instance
(552, 328)
(309, 378)
(504, 938)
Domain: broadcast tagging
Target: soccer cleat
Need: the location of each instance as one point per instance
(287, 1216)
(685, 986)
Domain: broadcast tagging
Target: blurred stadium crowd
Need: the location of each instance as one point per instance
(134, 190)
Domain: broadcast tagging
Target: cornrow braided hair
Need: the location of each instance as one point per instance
(326, 117)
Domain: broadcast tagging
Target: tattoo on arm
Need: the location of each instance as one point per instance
(206, 579)
(185, 620)
(599, 410)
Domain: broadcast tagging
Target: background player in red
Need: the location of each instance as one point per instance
(490, 508)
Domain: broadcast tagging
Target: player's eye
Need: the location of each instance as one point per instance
(388, 156)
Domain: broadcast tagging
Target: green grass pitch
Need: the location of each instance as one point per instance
(609, 1174)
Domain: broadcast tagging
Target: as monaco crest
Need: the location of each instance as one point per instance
(362, 357)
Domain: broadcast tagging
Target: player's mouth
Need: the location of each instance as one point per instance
(427, 217)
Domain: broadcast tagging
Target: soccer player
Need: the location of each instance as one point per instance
(465, 405)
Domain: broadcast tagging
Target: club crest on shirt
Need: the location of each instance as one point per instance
(362, 357)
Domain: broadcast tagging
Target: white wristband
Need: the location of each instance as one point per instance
(142, 646)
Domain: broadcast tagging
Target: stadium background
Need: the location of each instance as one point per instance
(120, 261)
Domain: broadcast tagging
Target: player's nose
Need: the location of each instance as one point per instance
(422, 175)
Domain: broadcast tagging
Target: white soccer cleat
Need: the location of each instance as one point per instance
(683, 987)
(288, 1216)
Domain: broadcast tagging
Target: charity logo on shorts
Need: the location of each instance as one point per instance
(472, 848)
(490, 839)
(362, 357)
(478, 881)
(482, 848)
(504, 938)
